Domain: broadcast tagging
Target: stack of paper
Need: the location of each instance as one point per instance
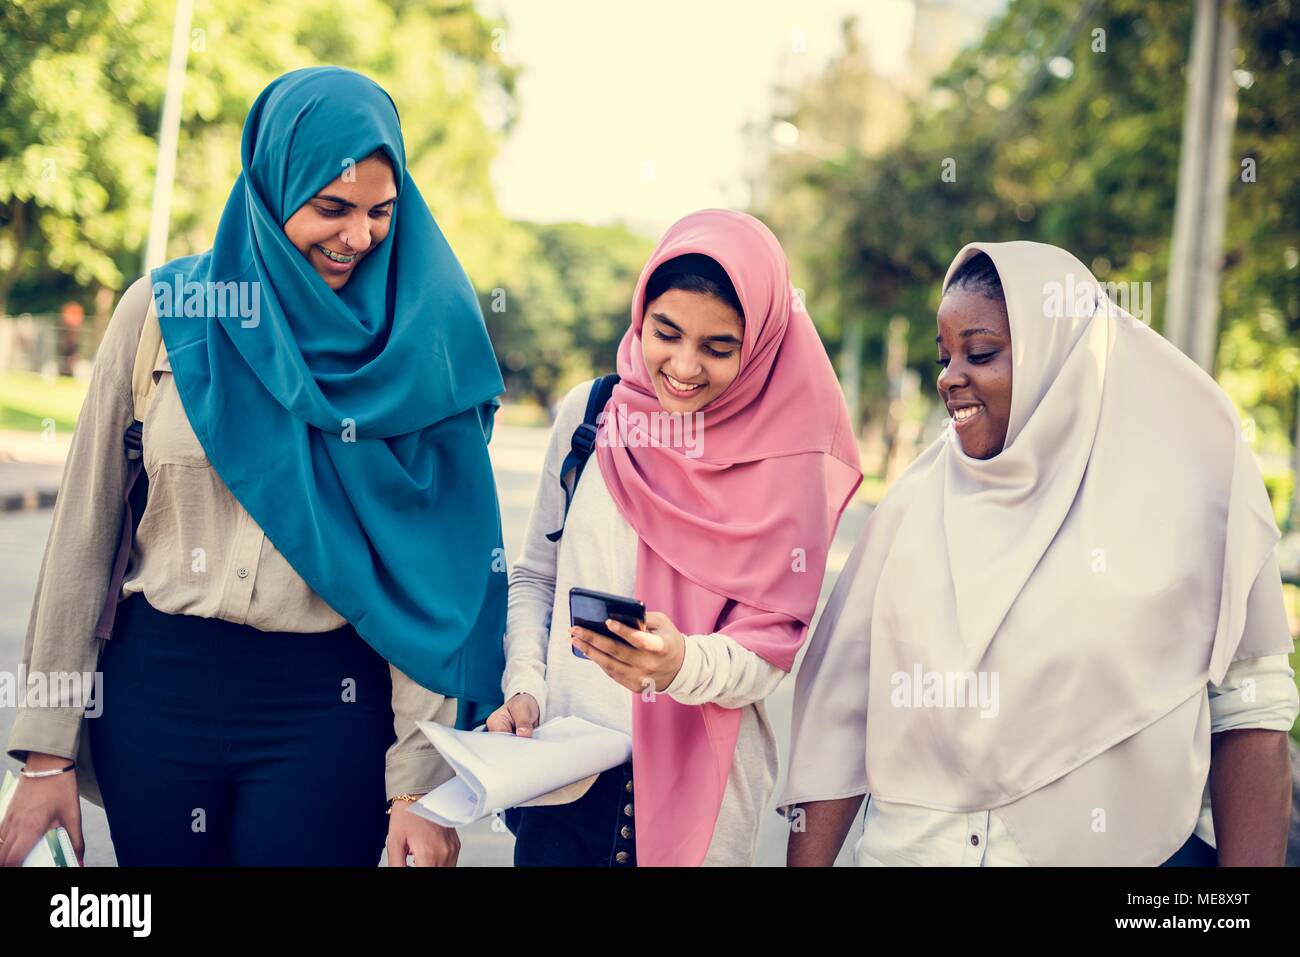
(54, 849)
(495, 771)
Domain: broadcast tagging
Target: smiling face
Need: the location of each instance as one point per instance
(975, 353)
(691, 345)
(345, 220)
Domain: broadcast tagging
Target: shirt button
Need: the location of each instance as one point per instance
(628, 787)
(242, 572)
(622, 857)
(626, 832)
(627, 810)
(975, 840)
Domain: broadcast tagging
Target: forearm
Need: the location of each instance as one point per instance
(527, 633)
(532, 580)
(818, 830)
(60, 653)
(1250, 793)
(413, 765)
(532, 593)
(717, 669)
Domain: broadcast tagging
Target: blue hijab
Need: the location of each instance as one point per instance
(352, 426)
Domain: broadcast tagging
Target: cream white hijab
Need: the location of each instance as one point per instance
(1115, 557)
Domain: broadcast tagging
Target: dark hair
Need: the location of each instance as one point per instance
(694, 272)
(978, 275)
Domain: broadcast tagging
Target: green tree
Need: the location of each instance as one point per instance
(74, 160)
(81, 96)
(1063, 124)
(562, 303)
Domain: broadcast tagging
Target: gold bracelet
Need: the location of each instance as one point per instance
(401, 797)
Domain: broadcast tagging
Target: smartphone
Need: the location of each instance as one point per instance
(589, 609)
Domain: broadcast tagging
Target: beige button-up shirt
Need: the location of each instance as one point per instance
(196, 552)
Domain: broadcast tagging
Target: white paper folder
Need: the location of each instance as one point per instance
(495, 770)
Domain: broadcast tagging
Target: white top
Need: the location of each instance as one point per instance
(1255, 693)
(598, 551)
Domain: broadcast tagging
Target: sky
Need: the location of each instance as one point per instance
(634, 112)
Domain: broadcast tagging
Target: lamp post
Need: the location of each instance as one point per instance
(168, 136)
(1196, 258)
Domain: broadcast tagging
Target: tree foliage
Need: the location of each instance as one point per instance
(1063, 124)
(81, 95)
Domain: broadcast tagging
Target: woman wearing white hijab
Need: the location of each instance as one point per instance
(1054, 608)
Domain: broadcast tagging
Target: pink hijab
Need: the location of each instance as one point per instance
(734, 540)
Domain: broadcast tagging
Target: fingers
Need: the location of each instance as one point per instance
(523, 714)
(644, 640)
(434, 853)
(616, 669)
(612, 647)
(21, 829)
(396, 846)
(500, 720)
(517, 716)
(78, 841)
(618, 628)
(18, 844)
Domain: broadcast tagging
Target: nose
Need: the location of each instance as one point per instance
(682, 368)
(356, 235)
(951, 377)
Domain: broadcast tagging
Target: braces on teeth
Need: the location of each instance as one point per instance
(336, 257)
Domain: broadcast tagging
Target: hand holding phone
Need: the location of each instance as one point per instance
(644, 654)
(589, 609)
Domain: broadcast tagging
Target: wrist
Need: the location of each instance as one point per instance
(401, 801)
(674, 670)
(39, 761)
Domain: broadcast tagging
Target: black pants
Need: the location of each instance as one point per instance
(1194, 853)
(597, 830)
(223, 745)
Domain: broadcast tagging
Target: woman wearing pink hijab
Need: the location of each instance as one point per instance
(720, 522)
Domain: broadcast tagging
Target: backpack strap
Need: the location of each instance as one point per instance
(147, 354)
(583, 443)
(135, 494)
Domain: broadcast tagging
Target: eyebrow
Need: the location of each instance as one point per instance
(343, 202)
(967, 333)
(728, 338)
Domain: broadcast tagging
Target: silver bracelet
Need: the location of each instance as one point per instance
(47, 774)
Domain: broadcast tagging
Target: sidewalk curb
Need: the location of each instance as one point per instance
(30, 498)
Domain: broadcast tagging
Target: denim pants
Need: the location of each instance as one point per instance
(597, 830)
(220, 744)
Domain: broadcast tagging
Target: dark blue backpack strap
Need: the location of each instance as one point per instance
(583, 443)
(134, 498)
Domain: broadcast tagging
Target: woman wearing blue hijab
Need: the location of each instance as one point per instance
(321, 515)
